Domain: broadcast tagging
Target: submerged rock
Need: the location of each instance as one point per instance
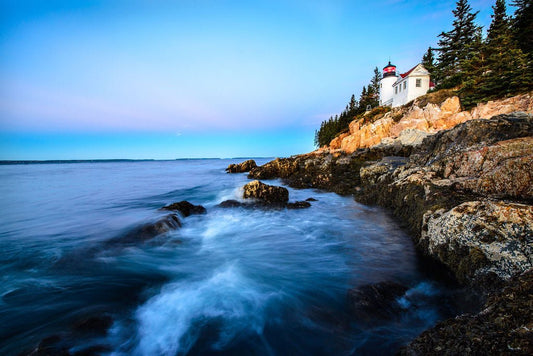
(243, 167)
(95, 324)
(298, 205)
(267, 194)
(148, 231)
(230, 204)
(370, 302)
(185, 208)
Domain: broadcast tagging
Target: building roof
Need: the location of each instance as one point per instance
(403, 75)
(389, 65)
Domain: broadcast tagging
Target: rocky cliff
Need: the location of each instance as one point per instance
(466, 195)
(428, 114)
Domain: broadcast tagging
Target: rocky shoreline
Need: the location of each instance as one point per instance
(466, 196)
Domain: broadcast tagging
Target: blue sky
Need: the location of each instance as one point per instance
(194, 78)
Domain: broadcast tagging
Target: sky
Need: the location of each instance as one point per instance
(167, 79)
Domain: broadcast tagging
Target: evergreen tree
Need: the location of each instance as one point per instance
(455, 46)
(374, 82)
(500, 68)
(428, 61)
(353, 103)
(363, 95)
(523, 25)
(500, 21)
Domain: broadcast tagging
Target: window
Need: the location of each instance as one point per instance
(404, 85)
(419, 83)
(395, 90)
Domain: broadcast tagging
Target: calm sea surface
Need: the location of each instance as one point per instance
(232, 281)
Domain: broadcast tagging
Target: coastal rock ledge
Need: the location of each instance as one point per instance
(466, 196)
(245, 166)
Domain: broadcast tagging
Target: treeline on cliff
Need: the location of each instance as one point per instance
(369, 98)
(478, 67)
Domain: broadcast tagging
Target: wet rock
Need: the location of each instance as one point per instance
(230, 204)
(185, 208)
(51, 346)
(298, 205)
(311, 199)
(264, 193)
(65, 345)
(245, 166)
(96, 350)
(95, 324)
(148, 231)
(503, 327)
(371, 302)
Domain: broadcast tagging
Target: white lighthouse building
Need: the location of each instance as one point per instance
(385, 85)
(397, 90)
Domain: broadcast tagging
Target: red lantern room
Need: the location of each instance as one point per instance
(389, 70)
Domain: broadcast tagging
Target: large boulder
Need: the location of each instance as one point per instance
(264, 193)
(481, 240)
(245, 166)
(278, 168)
(185, 208)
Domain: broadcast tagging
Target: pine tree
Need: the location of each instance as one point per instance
(455, 45)
(501, 68)
(374, 83)
(500, 21)
(523, 25)
(507, 64)
(353, 103)
(428, 61)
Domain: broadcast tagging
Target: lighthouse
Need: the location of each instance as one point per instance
(385, 85)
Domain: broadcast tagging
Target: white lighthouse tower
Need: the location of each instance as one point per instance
(386, 90)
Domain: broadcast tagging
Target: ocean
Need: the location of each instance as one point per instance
(233, 281)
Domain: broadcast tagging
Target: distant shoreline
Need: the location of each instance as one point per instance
(59, 161)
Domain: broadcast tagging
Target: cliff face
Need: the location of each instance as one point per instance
(427, 114)
(466, 195)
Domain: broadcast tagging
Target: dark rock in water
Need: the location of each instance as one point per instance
(375, 302)
(57, 345)
(245, 166)
(95, 324)
(148, 231)
(96, 350)
(311, 199)
(51, 346)
(298, 205)
(265, 193)
(185, 208)
(231, 204)
(503, 327)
